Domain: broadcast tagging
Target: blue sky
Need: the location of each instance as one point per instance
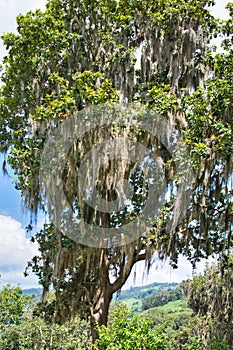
(15, 247)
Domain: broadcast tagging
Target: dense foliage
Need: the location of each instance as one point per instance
(171, 326)
(211, 298)
(21, 329)
(36, 333)
(143, 332)
(130, 332)
(161, 298)
(12, 304)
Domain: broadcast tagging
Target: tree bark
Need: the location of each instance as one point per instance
(99, 314)
(100, 307)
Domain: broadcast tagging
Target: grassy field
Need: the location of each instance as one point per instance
(175, 314)
(174, 306)
(132, 303)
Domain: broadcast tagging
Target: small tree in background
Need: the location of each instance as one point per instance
(12, 304)
(210, 297)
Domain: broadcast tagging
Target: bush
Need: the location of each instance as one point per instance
(129, 332)
(37, 334)
(217, 344)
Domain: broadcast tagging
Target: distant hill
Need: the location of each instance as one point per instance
(144, 291)
(134, 296)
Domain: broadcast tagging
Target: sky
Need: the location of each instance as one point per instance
(15, 246)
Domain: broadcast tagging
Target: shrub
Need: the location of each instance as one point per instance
(37, 334)
(129, 332)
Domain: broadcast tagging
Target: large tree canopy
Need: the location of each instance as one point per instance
(152, 57)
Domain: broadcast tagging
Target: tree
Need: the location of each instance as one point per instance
(77, 55)
(161, 298)
(210, 297)
(12, 304)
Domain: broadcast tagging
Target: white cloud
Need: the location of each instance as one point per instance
(12, 8)
(219, 10)
(17, 278)
(15, 251)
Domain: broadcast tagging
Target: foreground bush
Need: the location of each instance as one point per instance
(129, 332)
(36, 334)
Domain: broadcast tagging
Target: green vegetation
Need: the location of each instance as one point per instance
(162, 298)
(127, 331)
(36, 333)
(174, 315)
(170, 330)
(149, 296)
(21, 329)
(168, 327)
(133, 303)
(210, 297)
(12, 304)
(143, 292)
(173, 306)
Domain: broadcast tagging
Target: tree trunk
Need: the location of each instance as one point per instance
(99, 313)
(100, 301)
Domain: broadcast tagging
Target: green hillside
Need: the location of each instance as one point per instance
(141, 298)
(143, 291)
